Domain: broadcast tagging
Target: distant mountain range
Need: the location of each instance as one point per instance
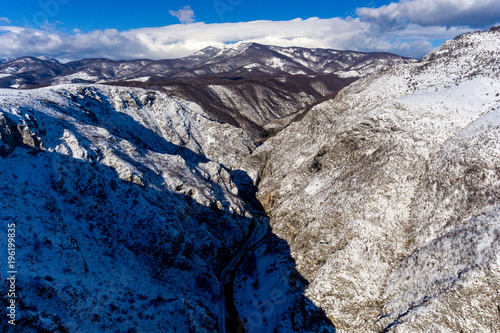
(240, 60)
(256, 87)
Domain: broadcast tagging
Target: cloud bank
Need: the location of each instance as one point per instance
(472, 13)
(409, 28)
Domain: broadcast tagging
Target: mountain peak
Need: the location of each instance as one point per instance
(48, 59)
(482, 44)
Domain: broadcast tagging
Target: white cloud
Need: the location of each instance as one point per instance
(16, 42)
(185, 15)
(4, 20)
(474, 13)
(181, 40)
(402, 28)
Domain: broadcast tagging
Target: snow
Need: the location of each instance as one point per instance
(277, 63)
(404, 195)
(45, 58)
(233, 49)
(252, 65)
(110, 186)
(269, 293)
(345, 74)
(10, 70)
(314, 187)
(76, 76)
(140, 79)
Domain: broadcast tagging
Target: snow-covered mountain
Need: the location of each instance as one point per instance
(233, 61)
(128, 203)
(252, 59)
(123, 214)
(389, 195)
(136, 209)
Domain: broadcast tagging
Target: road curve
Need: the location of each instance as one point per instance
(257, 233)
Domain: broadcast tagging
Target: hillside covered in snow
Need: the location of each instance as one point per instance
(128, 204)
(146, 207)
(125, 207)
(388, 194)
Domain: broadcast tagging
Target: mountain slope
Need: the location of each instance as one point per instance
(130, 207)
(388, 194)
(261, 105)
(131, 204)
(123, 216)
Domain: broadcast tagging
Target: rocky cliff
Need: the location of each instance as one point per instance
(126, 207)
(388, 194)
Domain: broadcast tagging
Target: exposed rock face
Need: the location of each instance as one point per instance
(125, 208)
(388, 195)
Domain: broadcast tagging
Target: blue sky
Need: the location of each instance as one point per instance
(127, 29)
(91, 15)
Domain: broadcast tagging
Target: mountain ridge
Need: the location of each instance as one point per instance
(224, 61)
(253, 86)
(388, 194)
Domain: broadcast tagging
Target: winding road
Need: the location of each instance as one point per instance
(259, 230)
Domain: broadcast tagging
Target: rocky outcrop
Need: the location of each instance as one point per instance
(388, 195)
(125, 208)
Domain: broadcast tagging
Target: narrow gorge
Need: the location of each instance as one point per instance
(253, 188)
